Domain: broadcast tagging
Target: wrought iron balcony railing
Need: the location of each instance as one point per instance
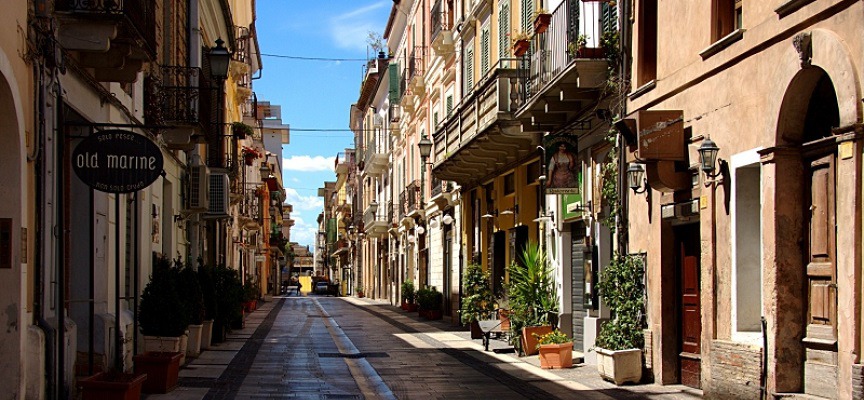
(410, 199)
(441, 20)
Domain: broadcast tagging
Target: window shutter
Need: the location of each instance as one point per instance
(485, 49)
(468, 62)
(393, 90)
(504, 31)
(610, 17)
(527, 12)
(449, 104)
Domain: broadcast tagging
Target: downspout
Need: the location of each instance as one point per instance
(60, 237)
(38, 272)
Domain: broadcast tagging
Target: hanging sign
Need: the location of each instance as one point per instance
(117, 161)
(562, 166)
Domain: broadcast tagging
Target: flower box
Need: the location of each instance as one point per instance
(529, 338)
(541, 22)
(520, 47)
(161, 368)
(556, 355)
(112, 386)
(620, 366)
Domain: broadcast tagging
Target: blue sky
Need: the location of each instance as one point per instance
(314, 94)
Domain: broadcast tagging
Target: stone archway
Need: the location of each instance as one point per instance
(810, 276)
(12, 286)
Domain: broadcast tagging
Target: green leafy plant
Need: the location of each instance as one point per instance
(576, 45)
(622, 289)
(250, 289)
(554, 337)
(408, 292)
(163, 311)
(192, 294)
(609, 185)
(531, 292)
(241, 130)
(208, 291)
(478, 301)
(229, 297)
(429, 299)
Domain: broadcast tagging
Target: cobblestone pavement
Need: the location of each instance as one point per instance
(349, 348)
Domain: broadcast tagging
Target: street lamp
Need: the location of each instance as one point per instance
(708, 157)
(636, 178)
(219, 59)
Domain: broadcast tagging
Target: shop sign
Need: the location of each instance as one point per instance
(117, 161)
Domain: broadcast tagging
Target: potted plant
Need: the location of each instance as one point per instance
(194, 299)
(533, 299)
(229, 300)
(409, 296)
(208, 292)
(250, 294)
(162, 370)
(556, 350)
(620, 341)
(521, 43)
(477, 301)
(241, 130)
(542, 19)
(250, 155)
(577, 45)
(429, 303)
(163, 313)
(112, 385)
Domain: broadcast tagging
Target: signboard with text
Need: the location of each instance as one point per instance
(117, 161)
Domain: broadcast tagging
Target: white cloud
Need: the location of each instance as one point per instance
(308, 164)
(299, 202)
(302, 232)
(350, 30)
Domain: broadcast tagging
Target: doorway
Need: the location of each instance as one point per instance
(688, 295)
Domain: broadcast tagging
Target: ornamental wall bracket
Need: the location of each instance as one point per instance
(804, 46)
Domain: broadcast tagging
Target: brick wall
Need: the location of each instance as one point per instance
(735, 370)
(858, 381)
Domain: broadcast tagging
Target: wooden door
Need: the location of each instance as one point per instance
(690, 359)
(820, 367)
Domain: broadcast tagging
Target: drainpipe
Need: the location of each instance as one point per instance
(38, 258)
(59, 237)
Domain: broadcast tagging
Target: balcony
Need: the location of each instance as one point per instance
(345, 164)
(113, 37)
(441, 192)
(375, 68)
(481, 136)
(410, 201)
(375, 221)
(340, 248)
(442, 30)
(175, 94)
(376, 155)
(561, 82)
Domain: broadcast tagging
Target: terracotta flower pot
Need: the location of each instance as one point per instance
(112, 386)
(162, 370)
(476, 332)
(529, 341)
(520, 47)
(556, 355)
(541, 23)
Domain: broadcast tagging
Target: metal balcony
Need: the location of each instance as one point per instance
(442, 30)
(113, 37)
(561, 80)
(409, 199)
(482, 136)
(376, 154)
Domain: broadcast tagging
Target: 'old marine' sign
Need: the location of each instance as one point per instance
(117, 161)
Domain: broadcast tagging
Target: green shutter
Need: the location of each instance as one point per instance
(484, 49)
(393, 90)
(610, 17)
(449, 104)
(469, 69)
(504, 31)
(527, 12)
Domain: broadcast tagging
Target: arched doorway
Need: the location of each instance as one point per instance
(11, 284)
(809, 115)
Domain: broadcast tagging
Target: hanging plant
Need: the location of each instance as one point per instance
(241, 130)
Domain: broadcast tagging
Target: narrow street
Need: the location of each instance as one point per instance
(348, 348)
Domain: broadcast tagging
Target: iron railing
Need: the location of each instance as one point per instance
(410, 198)
(179, 94)
(442, 20)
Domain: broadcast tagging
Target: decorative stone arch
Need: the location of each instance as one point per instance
(11, 200)
(820, 51)
(822, 54)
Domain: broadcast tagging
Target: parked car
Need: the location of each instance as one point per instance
(321, 288)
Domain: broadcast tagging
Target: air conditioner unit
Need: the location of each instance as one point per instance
(219, 191)
(199, 189)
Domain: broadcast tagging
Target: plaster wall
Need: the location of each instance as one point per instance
(737, 96)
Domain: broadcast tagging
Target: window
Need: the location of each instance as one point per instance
(449, 105)
(647, 41)
(510, 184)
(746, 247)
(504, 30)
(727, 16)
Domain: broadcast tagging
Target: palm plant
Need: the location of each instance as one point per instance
(531, 292)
